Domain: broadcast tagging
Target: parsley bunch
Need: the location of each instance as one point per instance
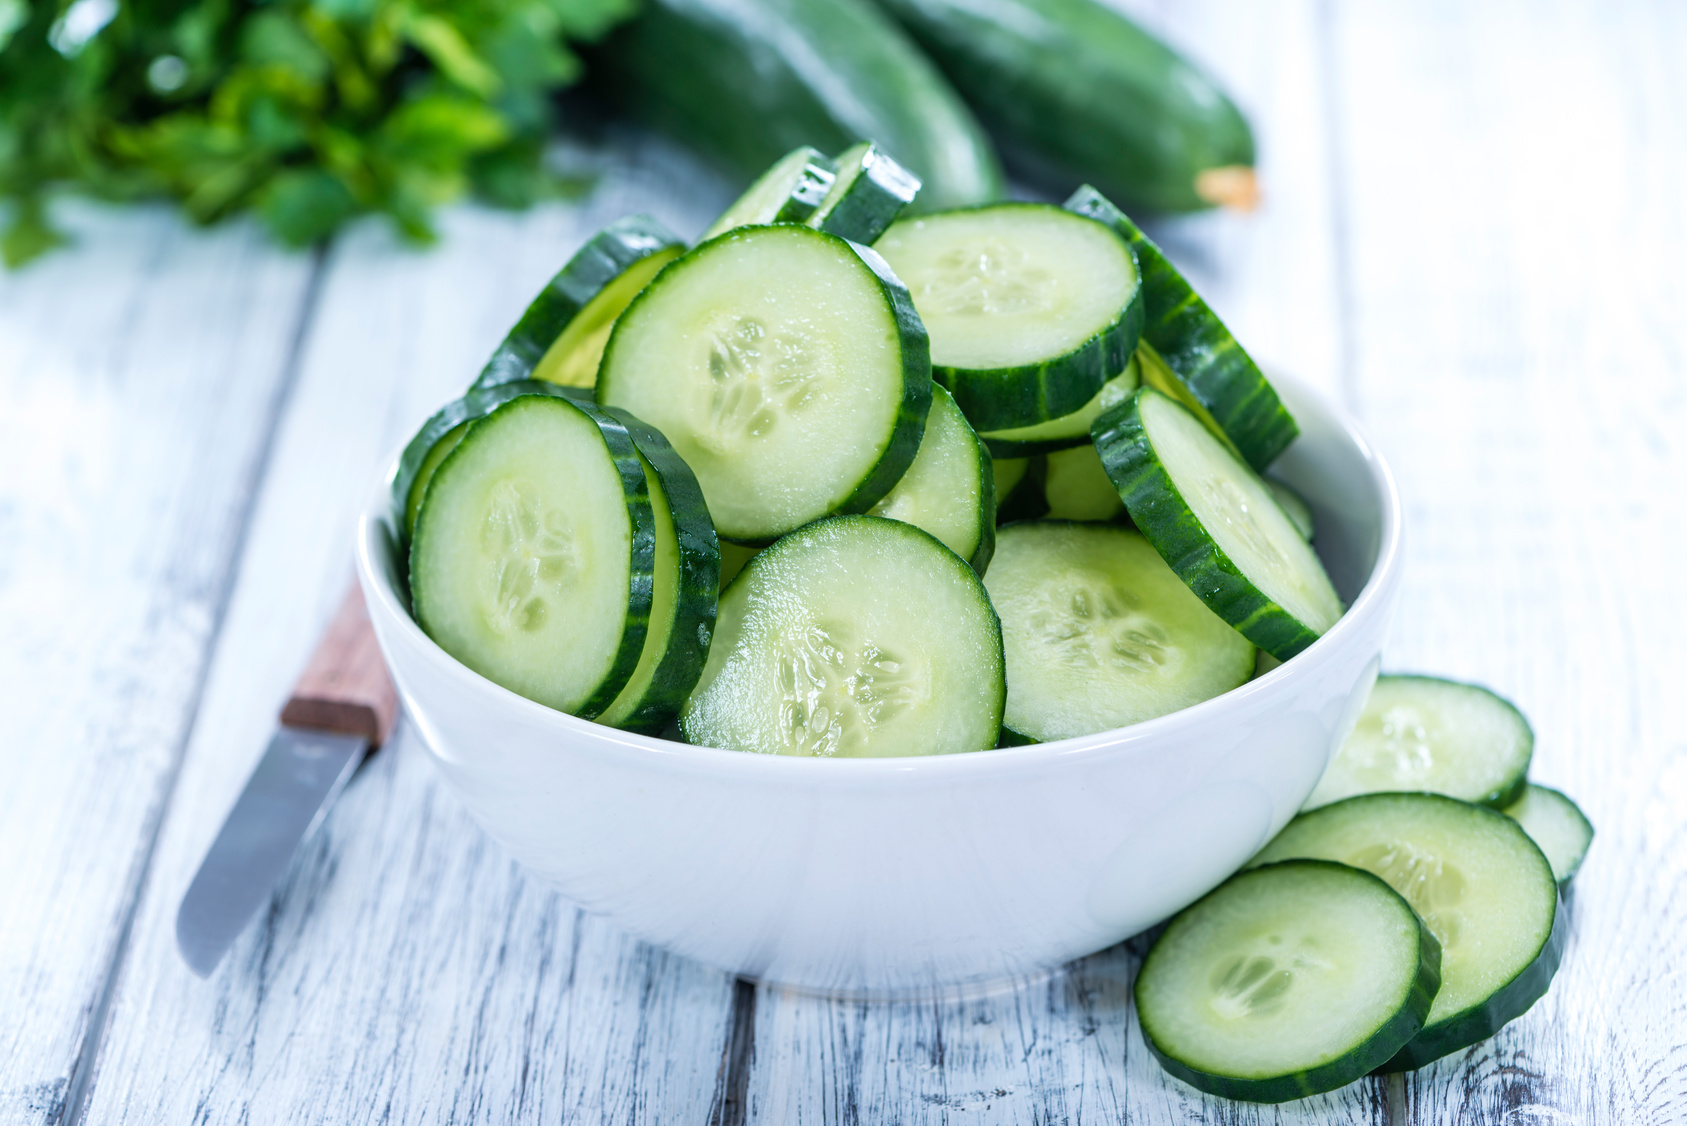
(308, 112)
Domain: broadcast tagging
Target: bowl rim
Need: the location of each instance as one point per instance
(1373, 598)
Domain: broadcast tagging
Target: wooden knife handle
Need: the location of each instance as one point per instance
(346, 688)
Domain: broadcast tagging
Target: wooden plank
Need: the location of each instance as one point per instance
(407, 970)
(1067, 1049)
(140, 372)
(1517, 229)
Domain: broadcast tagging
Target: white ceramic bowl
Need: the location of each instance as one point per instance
(886, 876)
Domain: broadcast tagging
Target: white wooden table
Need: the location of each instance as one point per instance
(1474, 239)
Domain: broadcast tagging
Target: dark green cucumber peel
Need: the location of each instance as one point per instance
(745, 83)
(699, 581)
(1027, 394)
(1086, 94)
(605, 257)
(1159, 511)
(641, 549)
(1025, 501)
(986, 548)
(410, 480)
(871, 190)
(1477, 1023)
(1377, 1050)
(1209, 365)
(1007, 448)
(916, 386)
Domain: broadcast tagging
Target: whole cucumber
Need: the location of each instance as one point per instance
(1074, 91)
(746, 81)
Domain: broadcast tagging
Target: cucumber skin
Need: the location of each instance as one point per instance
(981, 555)
(744, 81)
(699, 581)
(1087, 95)
(1025, 501)
(641, 551)
(478, 403)
(595, 265)
(863, 214)
(1160, 513)
(1194, 343)
(1008, 398)
(1367, 1058)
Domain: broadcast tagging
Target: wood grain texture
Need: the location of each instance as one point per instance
(345, 686)
(140, 373)
(1517, 175)
(407, 971)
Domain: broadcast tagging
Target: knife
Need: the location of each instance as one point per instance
(342, 707)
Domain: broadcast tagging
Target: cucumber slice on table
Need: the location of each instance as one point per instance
(852, 637)
(786, 366)
(1077, 487)
(1099, 633)
(869, 193)
(1294, 506)
(1481, 885)
(560, 337)
(1557, 825)
(1424, 733)
(789, 192)
(950, 490)
(1187, 352)
(1068, 430)
(1287, 980)
(535, 553)
(1215, 521)
(1031, 309)
(438, 436)
(684, 592)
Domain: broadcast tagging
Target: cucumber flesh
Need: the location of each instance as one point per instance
(1031, 309)
(1479, 883)
(560, 337)
(425, 471)
(950, 489)
(685, 590)
(1099, 633)
(1215, 520)
(1294, 506)
(1440, 736)
(733, 556)
(1557, 825)
(786, 366)
(869, 193)
(1287, 980)
(789, 192)
(1077, 487)
(1008, 472)
(1068, 430)
(1190, 355)
(852, 637)
(534, 555)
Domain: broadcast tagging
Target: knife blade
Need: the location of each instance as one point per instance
(343, 707)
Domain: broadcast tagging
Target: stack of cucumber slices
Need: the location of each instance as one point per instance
(833, 484)
(1409, 912)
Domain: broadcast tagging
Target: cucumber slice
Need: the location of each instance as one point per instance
(788, 192)
(686, 586)
(534, 554)
(1078, 488)
(1068, 430)
(1287, 980)
(439, 435)
(1215, 521)
(1100, 633)
(1030, 308)
(852, 637)
(869, 193)
(1025, 500)
(733, 556)
(1557, 825)
(1008, 472)
(1190, 355)
(1294, 506)
(1480, 884)
(1440, 736)
(786, 366)
(950, 490)
(560, 337)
